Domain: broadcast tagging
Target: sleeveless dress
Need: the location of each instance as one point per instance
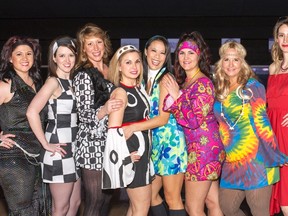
(193, 110)
(169, 153)
(13, 119)
(61, 128)
(118, 169)
(19, 172)
(277, 99)
(252, 155)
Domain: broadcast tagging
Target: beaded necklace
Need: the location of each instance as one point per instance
(232, 126)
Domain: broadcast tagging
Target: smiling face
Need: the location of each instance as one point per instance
(130, 68)
(156, 55)
(282, 38)
(188, 59)
(231, 64)
(22, 58)
(65, 59)
(94, 48)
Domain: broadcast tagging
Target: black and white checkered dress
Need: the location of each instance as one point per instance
(61, 128)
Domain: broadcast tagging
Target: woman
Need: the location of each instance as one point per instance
(19, 149)
(278, 109)
(57, 161)
(169, 154)
(192, 107)
(252, 155)
(92, 92)
(126, 73)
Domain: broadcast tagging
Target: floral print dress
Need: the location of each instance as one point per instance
(169, 154)
(193, 110)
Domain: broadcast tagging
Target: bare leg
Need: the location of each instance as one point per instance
(284, 210)
(172, 190)
(75, 199)
(156, 187)
(196, 193)
(61, 193)
(140, 199)
(212, 200)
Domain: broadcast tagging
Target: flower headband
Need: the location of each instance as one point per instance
(189, 45)
(61, 42)
(125, 49)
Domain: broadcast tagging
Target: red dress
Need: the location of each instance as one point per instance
(277, 99)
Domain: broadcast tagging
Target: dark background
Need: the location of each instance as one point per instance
(250, 20)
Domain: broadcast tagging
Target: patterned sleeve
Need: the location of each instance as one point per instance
(84, 92)
(193, 105)
(268, 151)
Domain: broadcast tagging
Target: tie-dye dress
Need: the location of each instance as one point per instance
(169, 154)
(252, 155)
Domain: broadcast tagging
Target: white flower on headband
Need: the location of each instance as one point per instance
(125, 49)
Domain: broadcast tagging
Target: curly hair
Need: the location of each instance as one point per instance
(204, 58)
(11, 44)
(92, 30)
(221, 80)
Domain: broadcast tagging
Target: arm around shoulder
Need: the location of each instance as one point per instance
(116, 117)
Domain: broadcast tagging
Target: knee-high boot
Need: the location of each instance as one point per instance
(179, 212)
(159, 210)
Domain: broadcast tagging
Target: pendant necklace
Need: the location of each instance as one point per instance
(232, 126)
(188, 80)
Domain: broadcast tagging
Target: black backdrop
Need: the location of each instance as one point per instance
(250, 20)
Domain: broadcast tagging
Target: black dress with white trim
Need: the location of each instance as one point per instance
(118, 170)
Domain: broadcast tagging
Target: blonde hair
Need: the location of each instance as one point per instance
(92, 30)
(221, 80)
(114, 74)
(276, 52)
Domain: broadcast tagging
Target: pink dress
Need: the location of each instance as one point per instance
(193, 110)
(277, 99)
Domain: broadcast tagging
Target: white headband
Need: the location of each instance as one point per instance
(56, 46)
(125, 49)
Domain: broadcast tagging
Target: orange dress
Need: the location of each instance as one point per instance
(277, 99)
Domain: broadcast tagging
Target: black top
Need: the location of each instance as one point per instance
(13, 117)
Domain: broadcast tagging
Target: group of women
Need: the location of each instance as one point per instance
(138, 123)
